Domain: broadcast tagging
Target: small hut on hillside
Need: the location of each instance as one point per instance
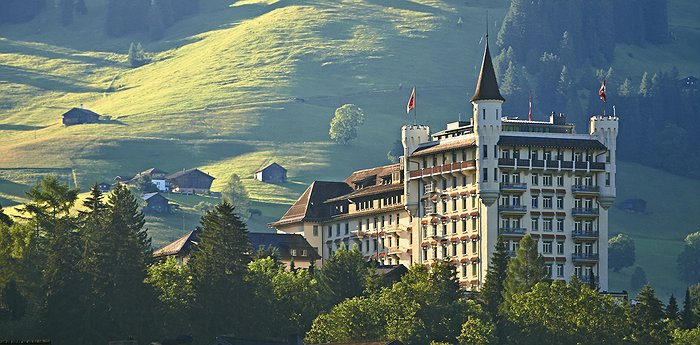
(78, 116)
(272, 173)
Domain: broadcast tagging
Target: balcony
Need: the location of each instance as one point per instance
(513, 187)
(584, 257)
(512, 209)
(358, 233)
(585, 190)
(549, 164)
(584, 212)
(512, 231)
(396, 250)
(585, 235)
(393, 229)
(443, 169)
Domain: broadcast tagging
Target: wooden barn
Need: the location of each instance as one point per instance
(77, 116)
(155, 203)
(192, 181)
(272, 173)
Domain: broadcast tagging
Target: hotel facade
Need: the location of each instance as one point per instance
(456, 190)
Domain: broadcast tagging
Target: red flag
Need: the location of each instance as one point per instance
(411, 101)
(601, 93)
(529, 114)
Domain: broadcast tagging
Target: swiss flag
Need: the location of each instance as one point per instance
(601, 92)
(411, 101)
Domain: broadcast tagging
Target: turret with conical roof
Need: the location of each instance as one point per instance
(487, 86)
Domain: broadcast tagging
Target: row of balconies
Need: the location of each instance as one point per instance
(521, 210)
(576, 257)
(575, 189)
(550, 164)
(576, 234)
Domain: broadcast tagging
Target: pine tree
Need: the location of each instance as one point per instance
(343, 276)
(492, 292)
(625, 89)
(218, 269)
(645, 86)
(15, 304)
(646, 318)
(672, 311)
(525, 270)
(688, 319)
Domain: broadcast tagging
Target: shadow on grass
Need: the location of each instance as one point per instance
(25, 76)
(11, 127)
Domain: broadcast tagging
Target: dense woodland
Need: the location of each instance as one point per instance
(89, 277)
(558, 52)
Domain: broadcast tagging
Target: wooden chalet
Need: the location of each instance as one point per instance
(77, 116)
(155, 203)
(192, 181)
(181, 248)
(271, 173)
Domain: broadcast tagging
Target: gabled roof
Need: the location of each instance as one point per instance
(374, 190)
(80, 111)
(187, 172)
(487, 85)
(283, 243)
(149, 196)
(151, 171)
(182, 244)
(269, 166)
(441, 146)
(310, 205)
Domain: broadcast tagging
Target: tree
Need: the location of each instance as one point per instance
(621, 252)
(137, 55)
(557, 313)
(4, 218)
(689, 259)
(646, 319)
(234, 193)
(638, 278)
(218, 269)
(645, 86)
(50, 202)
(343, 276)
(345, 122)
(12, 304)
(688, 319)
(395, 152)
(477, 332)
(492, 292)
(173, 285)
(625, 89)
(525, 270)
(672, 311)
(686, 336)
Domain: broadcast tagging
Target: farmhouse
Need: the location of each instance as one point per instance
(157, 177)
(289, 246)
(77, 116)
(272, 173)
(192, 181)
(155, 203)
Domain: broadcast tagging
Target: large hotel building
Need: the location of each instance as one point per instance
(456, 190)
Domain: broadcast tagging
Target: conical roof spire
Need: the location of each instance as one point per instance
(487, 86)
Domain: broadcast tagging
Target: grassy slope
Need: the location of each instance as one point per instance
(245, 83)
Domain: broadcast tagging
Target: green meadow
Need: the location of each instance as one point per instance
(245, 83)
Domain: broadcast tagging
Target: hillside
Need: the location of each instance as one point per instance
(245, 83)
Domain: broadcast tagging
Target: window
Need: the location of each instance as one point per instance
(330, 231)
(315, 230)
(515, 199)
(464, 202)
(560, 202)
(535, 199)
(560, 247)
(547, 180)
(577, 226)
(549, 270)
(444, 229)
(504, 200)
(535, 224)
(474, 246)
(505, 178)
(444, 206)
(293, 252)
(577, 156)
(484, 151)
(475, 269)
(547, 202)
(547, 247)
(514, 246)
(560, 270)
(454, 204)
(486, 175)
(347, 228)
(464, 225)
(473, 200)
(483, 114)
(588, 203)
(515, 178)
(588, 181)
(505, 153)
(454, 226)
(547, 224)
(577, 271)
(464, 269)
(560, 180)
(560, 224)
(588, 226)
(444, 251)
(535, 179)
(435, 252)
(425, 253)
(607, 179)
(548, 155)
(454, 181)
(578, 203)
(534, 155)
(516, 153)
(444, 184)
(454, 156)
(473, 224)
(516, 223)
(359, 246)
(454, 248)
